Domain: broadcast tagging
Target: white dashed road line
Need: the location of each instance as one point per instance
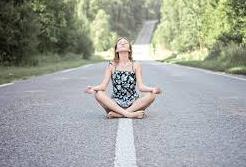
(77, 68)
(7, 84)
(125, 154)
(69, 70)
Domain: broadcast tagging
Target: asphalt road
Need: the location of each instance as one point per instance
(199, 120)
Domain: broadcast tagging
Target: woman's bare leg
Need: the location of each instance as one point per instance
(110, 114)
(104, 107)
(113, 114)
(112, 105)
(142, 103)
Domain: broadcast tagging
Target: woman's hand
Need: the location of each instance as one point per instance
(89, 90)
(156, 90)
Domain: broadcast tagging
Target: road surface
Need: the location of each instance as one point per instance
(199, 120)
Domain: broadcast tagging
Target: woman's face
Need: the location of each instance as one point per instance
(123, 46)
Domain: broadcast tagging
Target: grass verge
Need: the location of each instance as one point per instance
(215, 66)
(231, 60)
(49, 65)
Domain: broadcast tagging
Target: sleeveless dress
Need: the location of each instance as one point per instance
(124, 87)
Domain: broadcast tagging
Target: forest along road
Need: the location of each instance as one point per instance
(199, 120)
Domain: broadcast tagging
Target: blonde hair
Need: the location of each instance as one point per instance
(116, 54)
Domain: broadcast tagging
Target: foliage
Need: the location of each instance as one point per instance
(100, 29)
(194, 24)
(19, 28)
(30, 28)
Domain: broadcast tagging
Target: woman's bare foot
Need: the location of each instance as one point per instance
(137, 114)
(113, 114)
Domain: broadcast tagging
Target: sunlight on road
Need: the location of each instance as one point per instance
(142, 52)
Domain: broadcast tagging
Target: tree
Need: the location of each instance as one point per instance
(19, 28)
(102, 37)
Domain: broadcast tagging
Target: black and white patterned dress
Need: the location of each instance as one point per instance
(124, 87)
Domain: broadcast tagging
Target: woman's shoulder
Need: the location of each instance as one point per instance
(136, 64)
(112, 62)
(111, 65)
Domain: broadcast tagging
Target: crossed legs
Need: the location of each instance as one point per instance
(136, 110)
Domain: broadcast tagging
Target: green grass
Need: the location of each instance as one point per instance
(212, 65)
(231, 59)
(48, 65)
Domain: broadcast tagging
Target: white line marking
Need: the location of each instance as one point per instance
(34, 91)
(88, 65)
(77, 68)
(71, 69)
(68, 70)
(7, 84)
(125, 154)
(211, 72)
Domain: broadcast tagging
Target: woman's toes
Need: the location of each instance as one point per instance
(141, 114)
(138, 114)
(110, 115)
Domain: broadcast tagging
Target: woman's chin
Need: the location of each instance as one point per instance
(122, 50)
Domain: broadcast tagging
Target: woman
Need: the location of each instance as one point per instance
(125, 74)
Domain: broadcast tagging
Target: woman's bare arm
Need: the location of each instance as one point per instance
(140, 83)
(104, 84)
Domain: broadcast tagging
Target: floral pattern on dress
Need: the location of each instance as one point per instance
(124, 88)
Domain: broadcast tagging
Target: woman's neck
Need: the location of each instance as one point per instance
(123, 58)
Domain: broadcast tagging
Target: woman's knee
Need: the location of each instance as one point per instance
(99, 95)
(151, 96)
